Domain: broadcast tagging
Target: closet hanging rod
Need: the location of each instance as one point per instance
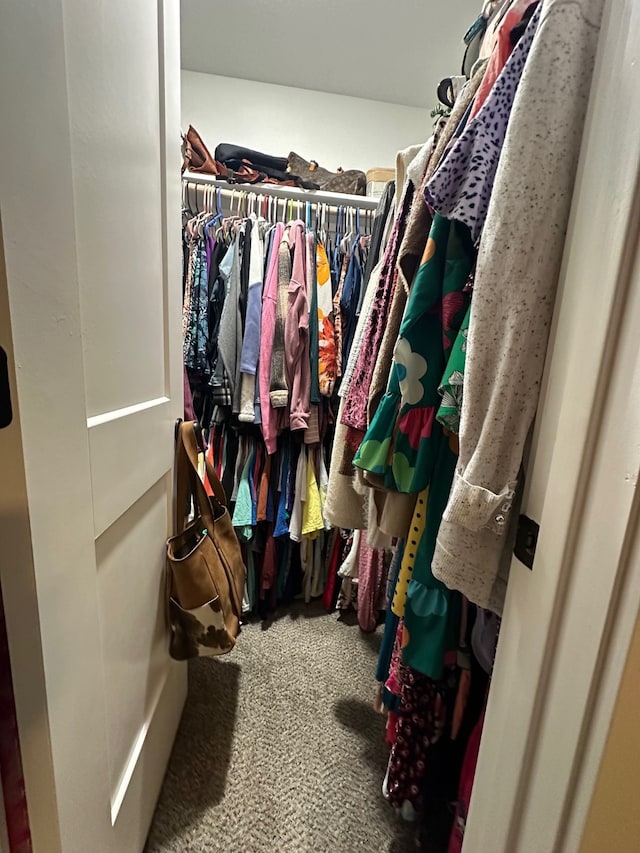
(276, 191)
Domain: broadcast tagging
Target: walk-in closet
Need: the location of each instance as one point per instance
(319, 404)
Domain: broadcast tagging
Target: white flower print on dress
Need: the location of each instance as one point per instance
(415, 367)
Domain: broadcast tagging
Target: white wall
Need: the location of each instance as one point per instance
(335, 130)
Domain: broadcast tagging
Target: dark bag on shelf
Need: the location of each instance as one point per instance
(353, 182)
(205, 573)
(235, 155)
(269, 169)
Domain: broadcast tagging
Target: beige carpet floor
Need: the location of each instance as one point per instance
(279, 748)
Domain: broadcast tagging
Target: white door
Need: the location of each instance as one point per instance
(568, 623)
(90, 195)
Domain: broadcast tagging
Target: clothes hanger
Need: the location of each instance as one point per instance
(192, 224)
(214, 214)
(194, 209)
(347, 237)
(184, 196)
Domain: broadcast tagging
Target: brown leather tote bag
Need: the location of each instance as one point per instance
(205, 574)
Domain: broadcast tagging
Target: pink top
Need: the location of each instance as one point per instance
(501, 50)
(267, 327)
(296, 333)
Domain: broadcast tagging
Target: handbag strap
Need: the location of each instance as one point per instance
(189, 484)
(191, 444)
(188, 481)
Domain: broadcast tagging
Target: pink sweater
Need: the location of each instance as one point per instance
(296, 333)
(267, 327)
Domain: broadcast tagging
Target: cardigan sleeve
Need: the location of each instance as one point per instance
(518, 268)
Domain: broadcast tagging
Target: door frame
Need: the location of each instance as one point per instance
(568, 623)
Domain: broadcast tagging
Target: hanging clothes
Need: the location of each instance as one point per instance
(296, 332)
(522, 241)
(462, 185)
(252, 327)
(401, 443)
(260, 288)
(268, 324)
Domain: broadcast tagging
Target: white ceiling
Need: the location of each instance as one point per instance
(388, 50)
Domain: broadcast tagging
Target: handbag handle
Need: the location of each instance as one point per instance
(188, 481)
(189, 484)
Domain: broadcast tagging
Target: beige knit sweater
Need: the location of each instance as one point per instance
(516, 279)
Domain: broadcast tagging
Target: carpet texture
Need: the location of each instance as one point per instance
(279, 748)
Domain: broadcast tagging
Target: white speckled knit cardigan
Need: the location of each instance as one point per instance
(514, 292)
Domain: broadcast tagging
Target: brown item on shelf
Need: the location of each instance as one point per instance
(197, 159)
(352, 181)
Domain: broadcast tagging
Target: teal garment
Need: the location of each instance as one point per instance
(243, 511)
(400, 445)
(452, 382)
(432, 611)
(408, 448)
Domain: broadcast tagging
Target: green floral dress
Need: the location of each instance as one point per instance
(452, 381)
(399, 444)
(406, 444)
